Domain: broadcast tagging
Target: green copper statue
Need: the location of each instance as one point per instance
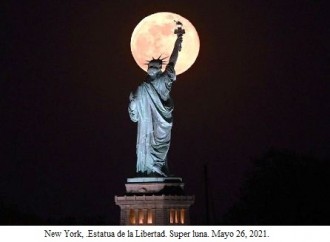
(151, 107)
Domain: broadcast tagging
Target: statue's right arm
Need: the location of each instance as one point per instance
(132, 108)
(169, 70)
(175, 52)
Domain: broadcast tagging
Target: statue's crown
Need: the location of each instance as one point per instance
(156, 62)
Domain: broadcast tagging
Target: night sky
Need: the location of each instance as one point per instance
(261, 81)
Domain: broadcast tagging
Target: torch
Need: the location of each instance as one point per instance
(179, 31)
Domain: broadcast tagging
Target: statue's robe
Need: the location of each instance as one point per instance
(152, 109)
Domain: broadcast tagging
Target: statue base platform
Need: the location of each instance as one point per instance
(155, 185)
(154, 179)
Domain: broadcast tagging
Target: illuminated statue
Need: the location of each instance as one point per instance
(151, 106)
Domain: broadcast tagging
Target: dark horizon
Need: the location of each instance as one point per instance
(260, 82)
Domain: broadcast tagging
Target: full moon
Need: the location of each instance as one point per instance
(154, 36)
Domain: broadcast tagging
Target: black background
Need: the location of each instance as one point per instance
(261, 81)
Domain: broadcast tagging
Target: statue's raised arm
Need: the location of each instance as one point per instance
(175, 52)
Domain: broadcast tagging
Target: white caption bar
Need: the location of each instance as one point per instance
(165, 233)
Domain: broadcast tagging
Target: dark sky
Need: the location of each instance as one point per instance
(67, 144)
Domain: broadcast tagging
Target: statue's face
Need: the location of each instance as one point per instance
(153, 68)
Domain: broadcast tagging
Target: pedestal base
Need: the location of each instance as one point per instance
(154, 201)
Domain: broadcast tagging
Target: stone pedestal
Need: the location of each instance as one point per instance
(154, 201)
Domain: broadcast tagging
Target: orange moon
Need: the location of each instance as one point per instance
(154, 36)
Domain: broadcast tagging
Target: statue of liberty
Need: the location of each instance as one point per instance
(151, 107)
